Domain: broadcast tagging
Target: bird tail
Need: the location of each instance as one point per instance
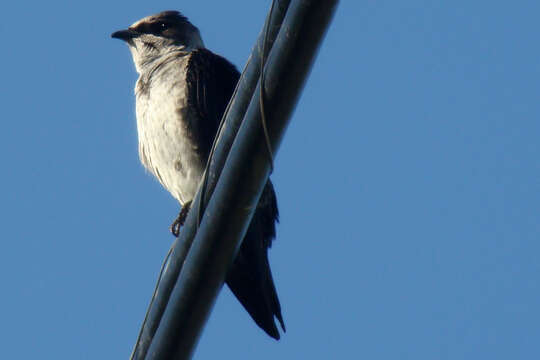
(250, 277)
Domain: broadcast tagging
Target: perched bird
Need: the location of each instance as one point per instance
(181, 95)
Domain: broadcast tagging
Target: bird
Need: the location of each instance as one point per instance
(181, 94)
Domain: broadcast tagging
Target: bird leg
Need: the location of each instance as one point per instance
(179, 222)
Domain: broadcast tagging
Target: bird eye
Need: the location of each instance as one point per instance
(157, 28)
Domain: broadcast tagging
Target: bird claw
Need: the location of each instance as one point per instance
(179, 222)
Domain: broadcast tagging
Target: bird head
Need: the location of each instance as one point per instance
(157, 35)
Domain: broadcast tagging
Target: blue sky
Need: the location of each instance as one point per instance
(408, 185)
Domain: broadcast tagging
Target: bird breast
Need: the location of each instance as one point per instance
(166, 148)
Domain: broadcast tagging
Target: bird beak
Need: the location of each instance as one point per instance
(125, 35)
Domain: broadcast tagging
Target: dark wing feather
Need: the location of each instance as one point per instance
(211, 80)
(249, 277)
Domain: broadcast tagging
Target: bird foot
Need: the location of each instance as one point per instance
(179, 222)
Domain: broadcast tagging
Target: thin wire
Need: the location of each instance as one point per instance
(262, 93)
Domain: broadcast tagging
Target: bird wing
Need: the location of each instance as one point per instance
(211, 80)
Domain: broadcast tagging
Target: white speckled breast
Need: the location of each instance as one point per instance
(165, 149)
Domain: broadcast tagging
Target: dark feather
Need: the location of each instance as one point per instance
(211, 80)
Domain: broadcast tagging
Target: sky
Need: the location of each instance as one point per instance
(408, 185)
